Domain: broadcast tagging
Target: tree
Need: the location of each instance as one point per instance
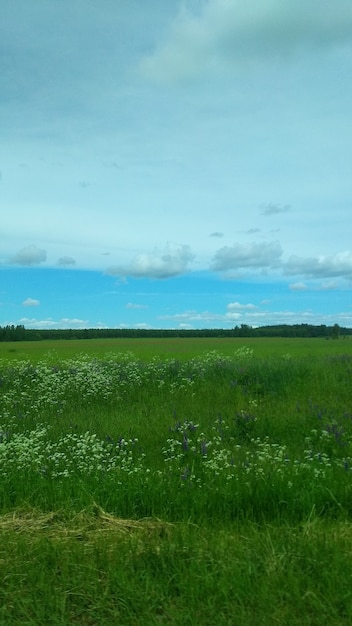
(335, 333)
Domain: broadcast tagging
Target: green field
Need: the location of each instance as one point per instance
(201, 481)
(181, 348)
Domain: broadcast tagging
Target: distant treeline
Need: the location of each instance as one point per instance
(20, 333)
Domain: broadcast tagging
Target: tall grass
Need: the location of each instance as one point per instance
(210, 490)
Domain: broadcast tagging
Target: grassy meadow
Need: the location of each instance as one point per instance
(173, 347)
(177, 481)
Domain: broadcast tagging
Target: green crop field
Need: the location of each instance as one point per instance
(176, 481)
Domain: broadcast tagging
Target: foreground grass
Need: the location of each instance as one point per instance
(215, 490)
(94, 568)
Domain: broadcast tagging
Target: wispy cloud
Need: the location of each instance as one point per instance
(274, 209)
(298, 287)
(330, 285)
(192, 316)
(132, 305)
(217, 234)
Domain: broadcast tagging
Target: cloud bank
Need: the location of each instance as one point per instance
(232, 33)
(254, 255)
(324, 267)
(53, 323)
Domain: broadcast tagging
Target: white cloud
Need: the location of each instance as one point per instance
(30, 302)
(298, 287)
(255, 255)
(30, 255)
(329, 285)
(339, 264)
(193, 316)
(230, 317)
(230, 33)
(131, 305)
(236, 306)
(172, 261)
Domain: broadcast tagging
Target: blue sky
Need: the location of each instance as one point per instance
(175, 164)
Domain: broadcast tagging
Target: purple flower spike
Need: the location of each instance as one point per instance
(186, 473)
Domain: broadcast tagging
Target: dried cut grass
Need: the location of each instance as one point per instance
(84, 525)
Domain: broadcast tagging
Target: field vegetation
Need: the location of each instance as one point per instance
(148, 488)
(182, 348)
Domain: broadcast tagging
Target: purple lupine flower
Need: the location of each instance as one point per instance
(203, 448)
(186, 473)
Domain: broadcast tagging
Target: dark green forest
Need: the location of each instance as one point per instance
(20, 333)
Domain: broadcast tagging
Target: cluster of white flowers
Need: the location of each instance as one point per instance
(71, 455)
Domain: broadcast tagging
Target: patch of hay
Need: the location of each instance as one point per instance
(84, 525)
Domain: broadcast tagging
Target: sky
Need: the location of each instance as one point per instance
(179, 164)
